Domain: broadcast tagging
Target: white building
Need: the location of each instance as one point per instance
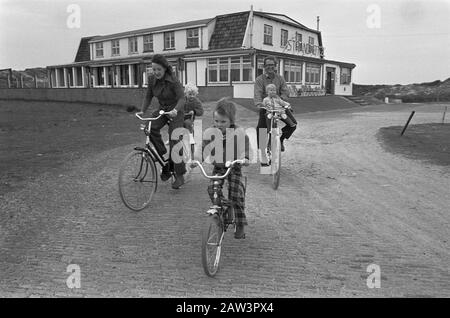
(225, 50)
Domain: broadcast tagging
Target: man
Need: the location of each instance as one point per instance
(271, 77)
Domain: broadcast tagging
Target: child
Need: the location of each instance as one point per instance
(273, 101)
(224, 117)
(192, 107)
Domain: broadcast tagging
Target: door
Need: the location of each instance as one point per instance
(191, 72)
(330, 80)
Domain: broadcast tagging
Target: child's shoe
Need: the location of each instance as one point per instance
(239, 233)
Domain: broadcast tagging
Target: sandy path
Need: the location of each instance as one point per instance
(343, 204)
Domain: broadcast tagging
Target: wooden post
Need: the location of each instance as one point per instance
(443, 116)
(9, 81)
(407, 123)
(21, 80)
(49, 76)
(35, 81)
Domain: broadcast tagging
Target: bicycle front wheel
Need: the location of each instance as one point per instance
(212, 244)
(276, 160)
(137, 180)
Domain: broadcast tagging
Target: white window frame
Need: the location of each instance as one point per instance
(308, 67)
(192, 37)
(268, 34)
(286, 38)
(99, 49)
(115, 48)
(171, 39)
(149, 42)
(133, 45)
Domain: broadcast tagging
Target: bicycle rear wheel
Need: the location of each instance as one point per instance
(276, 160)
(212, 244)
(138, 180)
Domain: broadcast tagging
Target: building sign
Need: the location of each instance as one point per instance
(294, 46)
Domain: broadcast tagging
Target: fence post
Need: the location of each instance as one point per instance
(407, 123)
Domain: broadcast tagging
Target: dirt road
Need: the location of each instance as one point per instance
(344, 203)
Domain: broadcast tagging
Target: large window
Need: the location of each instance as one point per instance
(284, 37)
(169, 40)
(224, 69)
(148, 43)
(292, 71)
(99, 49)
(268, 34)
(192, 38)
(115, 47)
(124, 75)
(79, 76)
(345, 75)
(312, 74)
(132, 45)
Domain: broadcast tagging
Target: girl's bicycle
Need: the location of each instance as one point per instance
(138, 176)
(220, 217)
(273, 149)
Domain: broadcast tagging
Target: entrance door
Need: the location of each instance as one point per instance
(191, 72)
(330, 80)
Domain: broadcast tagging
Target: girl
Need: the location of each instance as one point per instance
(224, 118)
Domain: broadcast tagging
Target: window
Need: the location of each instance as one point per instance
(312, 74)
(99, 49)
(267, 34)
(223, 69)
(132, 45)
(115, 47)
(298, 42)
(123, 73)
(79, 76)
(169, 40)
(284, 37)
(293, 71)
(247, 74)
(148, 43)
(212, 70)
(311, 45)
(192, 38)
(345, 75)
(235, 70)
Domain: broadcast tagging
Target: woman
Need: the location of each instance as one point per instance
(163, 85)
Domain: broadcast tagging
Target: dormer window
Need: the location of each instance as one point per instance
(192, 38)
(268, 32)
(99, 49)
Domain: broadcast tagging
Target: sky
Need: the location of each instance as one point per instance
(390, 41)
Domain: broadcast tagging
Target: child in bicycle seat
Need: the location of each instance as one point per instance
(192, 107)
(224, 117)
(273, 101)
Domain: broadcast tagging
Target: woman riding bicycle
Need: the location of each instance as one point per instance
(163, 85)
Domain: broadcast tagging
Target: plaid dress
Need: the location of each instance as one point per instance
(236, 192)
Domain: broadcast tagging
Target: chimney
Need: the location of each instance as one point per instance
(318, 19)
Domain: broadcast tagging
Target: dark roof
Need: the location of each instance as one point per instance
(229, 31)
(154, 29)
(83, 53)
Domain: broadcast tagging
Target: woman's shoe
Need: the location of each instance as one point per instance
(179, 181)
(239, 233)
(165, 173)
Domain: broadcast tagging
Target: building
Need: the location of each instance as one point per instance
(222, 51)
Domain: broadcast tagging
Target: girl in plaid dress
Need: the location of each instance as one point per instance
(224, 117)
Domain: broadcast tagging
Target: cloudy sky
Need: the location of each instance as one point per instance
(395, 41)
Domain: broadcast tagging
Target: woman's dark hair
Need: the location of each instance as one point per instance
(161, 60)
(270, 58)
(226, 107)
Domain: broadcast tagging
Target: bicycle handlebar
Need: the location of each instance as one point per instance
(274, 110)
(228, 164)
(161, 113)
